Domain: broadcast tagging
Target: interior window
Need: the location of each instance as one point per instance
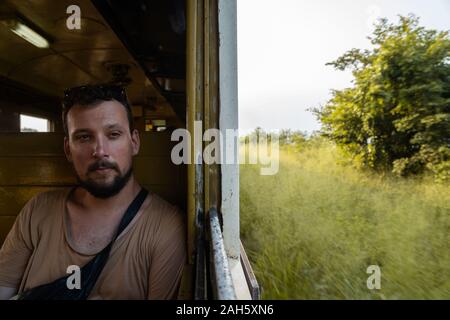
(34, 124)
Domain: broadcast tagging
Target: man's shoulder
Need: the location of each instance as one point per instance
(161, 202)
(50, 196)
(164, 211)
(43, 202)
(164, 223)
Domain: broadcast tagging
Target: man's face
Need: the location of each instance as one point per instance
(101, 147)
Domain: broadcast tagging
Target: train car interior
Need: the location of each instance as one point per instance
(141, 47)
(145, 46)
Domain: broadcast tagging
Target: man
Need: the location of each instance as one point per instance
(59, 229)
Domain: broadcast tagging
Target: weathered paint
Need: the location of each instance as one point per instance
(223, 284)
(229, 120)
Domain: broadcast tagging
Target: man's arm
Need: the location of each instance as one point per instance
(7, 293)
(15, 253)
(168, 259)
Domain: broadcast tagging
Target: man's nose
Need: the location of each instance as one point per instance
(100, 148)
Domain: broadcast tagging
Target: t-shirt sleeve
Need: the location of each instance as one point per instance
(17, 249)
(168, 257)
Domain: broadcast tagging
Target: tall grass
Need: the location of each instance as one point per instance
(312, 230)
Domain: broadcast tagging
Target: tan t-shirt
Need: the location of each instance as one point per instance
(145, 262)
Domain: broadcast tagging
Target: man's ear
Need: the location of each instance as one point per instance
(67, 149)
(135, 142)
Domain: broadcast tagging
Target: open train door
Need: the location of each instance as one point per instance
(222, 270)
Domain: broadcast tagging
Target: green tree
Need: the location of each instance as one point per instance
(291, 137)
(396, 116)
(285, 136)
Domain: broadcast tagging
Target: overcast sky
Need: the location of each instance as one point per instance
(283, 47)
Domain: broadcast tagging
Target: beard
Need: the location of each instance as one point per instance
(105, 190)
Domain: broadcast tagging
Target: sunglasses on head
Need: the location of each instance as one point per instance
(101, 92)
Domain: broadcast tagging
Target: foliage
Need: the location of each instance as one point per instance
(312, 229)
(284, 136)
(396, 116)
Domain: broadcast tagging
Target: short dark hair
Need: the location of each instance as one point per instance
(92, 94)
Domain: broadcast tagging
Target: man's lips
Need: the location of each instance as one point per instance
(102, 167)
(102, 170)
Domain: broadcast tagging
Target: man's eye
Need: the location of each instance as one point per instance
(84, 137)
(115, 134)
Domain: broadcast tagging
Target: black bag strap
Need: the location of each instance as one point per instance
(95, 266)
(58, 290)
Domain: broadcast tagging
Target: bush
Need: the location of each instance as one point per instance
(397, 115)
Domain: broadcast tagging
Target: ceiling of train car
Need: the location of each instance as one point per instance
(91, 54)
(154, 32)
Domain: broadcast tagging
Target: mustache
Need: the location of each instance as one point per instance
(103, 164)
